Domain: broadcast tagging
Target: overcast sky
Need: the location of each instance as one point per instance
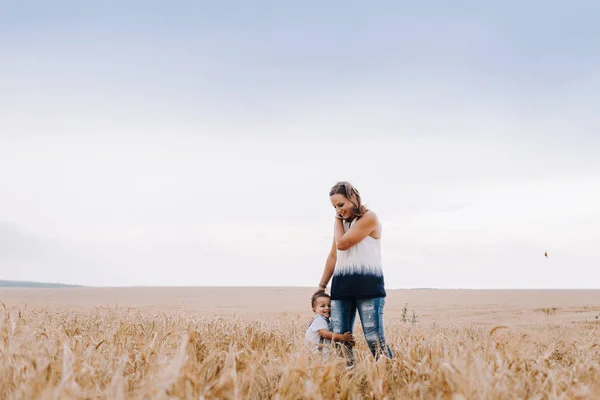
(188, 143)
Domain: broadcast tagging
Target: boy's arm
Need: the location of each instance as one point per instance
(336, 337)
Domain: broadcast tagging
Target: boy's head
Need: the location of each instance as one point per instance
(321, 304)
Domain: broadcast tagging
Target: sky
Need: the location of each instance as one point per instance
(194, 143)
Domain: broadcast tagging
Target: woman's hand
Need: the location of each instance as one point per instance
(359, 230)
(320, 288)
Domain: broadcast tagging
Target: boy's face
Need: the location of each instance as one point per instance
(323, 306)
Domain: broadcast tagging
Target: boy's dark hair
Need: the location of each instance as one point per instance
(317, 296)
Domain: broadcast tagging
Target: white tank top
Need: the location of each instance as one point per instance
(358, 270)
(363, 257)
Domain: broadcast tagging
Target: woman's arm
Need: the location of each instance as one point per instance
(329, 268)
(357, 232)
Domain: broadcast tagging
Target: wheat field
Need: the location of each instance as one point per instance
(246, 343)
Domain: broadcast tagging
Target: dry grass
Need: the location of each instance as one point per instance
(48, 353)
(547, 311)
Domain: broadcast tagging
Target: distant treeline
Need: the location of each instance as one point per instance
(27, 284)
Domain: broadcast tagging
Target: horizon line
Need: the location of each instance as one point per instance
(48, 285)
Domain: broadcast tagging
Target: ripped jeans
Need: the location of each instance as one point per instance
(343, 314)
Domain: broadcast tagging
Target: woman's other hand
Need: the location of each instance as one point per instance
(320, 289)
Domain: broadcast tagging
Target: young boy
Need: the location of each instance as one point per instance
(319, 335)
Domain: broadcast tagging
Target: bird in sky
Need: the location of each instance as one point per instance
(546, 254)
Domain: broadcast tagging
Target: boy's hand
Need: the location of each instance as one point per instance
(348, 338)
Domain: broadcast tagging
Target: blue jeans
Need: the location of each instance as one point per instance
(343, 314)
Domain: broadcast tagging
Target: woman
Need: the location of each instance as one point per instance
(355, 264)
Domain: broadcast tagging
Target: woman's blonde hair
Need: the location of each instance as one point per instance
(347, 190)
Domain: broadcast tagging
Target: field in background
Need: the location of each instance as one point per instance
(247, 343)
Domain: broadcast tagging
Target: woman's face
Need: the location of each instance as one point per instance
(343, 206)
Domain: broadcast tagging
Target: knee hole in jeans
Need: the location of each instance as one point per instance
(369, 327)
(372, 337)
